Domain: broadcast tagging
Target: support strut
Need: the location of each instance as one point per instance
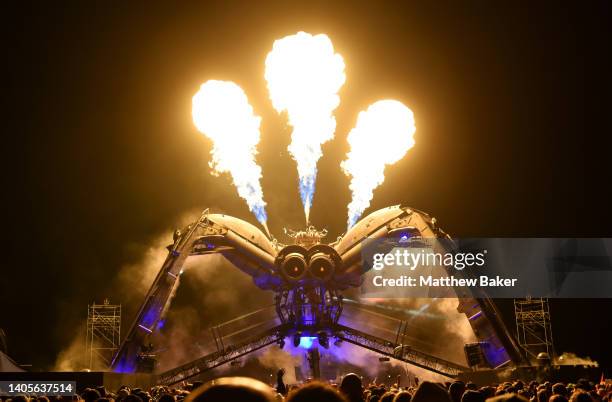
(401, 352)
(222, 356)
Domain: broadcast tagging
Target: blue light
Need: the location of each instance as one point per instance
(496, 356)
(260, 213)
(150, 316)
(307, 189)
(352, 219)
(306, 341)
(124, 367)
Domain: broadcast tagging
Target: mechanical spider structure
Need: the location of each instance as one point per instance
(308, 278)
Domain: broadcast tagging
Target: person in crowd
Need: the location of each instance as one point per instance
(581, 396)
(166, 397)
(508, 397)
(559, 389)
(281, 388)
(402, 396)
(352, 388)
(471, 395)
(542, 395)
(558, 398)
(315, 391)
(388, 396)
(90, 395)
(241, 389)
(456, 390)
(431, 392)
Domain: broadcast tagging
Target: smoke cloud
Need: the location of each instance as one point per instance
(275, 358)
(570, 359)
(211, 292)
(128, 288)
(73, 357)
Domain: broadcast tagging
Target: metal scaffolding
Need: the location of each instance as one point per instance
(400, 352)
(224, 354)
(103, 333)
(534, 333)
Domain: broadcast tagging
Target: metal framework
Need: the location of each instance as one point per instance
(308, 278)
(103, 333)
(225, 354)
(309, 310)
(401, 352)
(221, 356)
(534, 333)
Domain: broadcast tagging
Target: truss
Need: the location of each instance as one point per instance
(401, 352)
(221, 356)
(534, 333)
(103, 333)
(275, 335)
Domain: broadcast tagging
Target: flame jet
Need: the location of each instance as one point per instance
(304, 76)
(382, 136)
(221, 111)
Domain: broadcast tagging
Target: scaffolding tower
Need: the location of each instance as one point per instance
(534, 333)
(103, 333)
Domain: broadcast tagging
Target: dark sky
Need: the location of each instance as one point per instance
(100, 156)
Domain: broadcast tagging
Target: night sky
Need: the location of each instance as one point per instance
(100, 156)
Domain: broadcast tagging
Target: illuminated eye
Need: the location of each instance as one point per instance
(294, 266)
(321, 266)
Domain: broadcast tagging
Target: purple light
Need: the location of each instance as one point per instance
(478, 314)
(306, 341)
(124, 367)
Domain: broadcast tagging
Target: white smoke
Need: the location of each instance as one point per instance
(275, 358)
(571, 359)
